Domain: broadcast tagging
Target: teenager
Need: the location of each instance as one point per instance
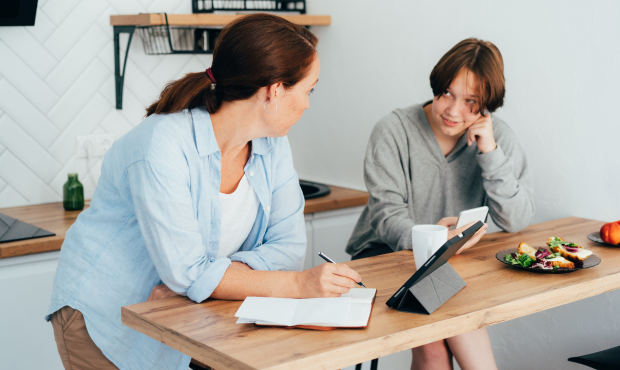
(426, 163)
(201, 199)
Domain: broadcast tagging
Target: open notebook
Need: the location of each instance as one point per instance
(359, 308)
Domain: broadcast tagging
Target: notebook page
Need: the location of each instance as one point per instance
(361, 295)
(275, 310)
(333, 311)
(290, 312)
(359, 309)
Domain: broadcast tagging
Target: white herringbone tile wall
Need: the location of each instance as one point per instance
(57, 83)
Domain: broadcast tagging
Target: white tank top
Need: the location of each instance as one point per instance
(239, 211)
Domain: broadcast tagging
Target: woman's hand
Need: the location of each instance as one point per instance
(327, 280)
(160, 291)
(451, 221)
(240, 265)
(481, 132)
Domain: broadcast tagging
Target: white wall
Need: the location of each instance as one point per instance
(561, 58)
(57, 82)
(561, 66)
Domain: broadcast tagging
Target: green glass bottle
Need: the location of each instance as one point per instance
(73, 193)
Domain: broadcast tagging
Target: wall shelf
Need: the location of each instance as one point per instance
(210, 24)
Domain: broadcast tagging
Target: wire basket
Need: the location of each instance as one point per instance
(209, 6)
(158, 40)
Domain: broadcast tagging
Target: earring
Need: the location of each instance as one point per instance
(265, 108)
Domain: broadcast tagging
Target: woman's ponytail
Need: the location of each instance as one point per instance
(191, 91)
(251, 52)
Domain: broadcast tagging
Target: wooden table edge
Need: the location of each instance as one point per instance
(32, 246)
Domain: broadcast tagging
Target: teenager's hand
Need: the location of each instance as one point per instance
(481, 132)
(159, 292)
(327, 280)
(447, 222)
(451, 221)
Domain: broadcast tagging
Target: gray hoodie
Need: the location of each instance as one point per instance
(411, 182)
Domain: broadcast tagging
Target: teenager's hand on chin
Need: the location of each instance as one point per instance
(327, 280)
(481, 132)
(451, 221)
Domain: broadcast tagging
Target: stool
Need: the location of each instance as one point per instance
(373, 365)
(608, 359)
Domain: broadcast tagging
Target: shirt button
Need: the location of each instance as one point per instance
(268, 208)
(251, 173)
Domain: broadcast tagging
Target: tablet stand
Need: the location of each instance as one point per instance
(431, 292)
(435, 281)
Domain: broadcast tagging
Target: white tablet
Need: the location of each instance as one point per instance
(472, 215)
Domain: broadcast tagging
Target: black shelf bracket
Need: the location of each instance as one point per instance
(119, 78)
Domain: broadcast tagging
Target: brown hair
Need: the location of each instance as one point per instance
(481, 58)
(253, 51)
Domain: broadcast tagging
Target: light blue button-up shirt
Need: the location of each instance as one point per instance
(155, 217)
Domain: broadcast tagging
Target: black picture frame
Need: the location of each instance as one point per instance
(18, 12)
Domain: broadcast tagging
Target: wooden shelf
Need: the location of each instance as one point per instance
(207, 19)
(127, 24)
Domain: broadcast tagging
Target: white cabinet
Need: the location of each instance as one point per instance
(330, 232)
(26, 339)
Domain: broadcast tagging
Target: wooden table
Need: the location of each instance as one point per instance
(494, 293)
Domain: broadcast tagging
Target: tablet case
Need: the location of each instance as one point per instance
(435, 282)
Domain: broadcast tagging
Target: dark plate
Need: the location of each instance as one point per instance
(591, 261)
(596, 237)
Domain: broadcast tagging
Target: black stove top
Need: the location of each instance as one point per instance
(12, 230)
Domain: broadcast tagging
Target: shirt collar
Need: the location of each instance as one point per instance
(262, 146)
(203, 130)
(205, 137)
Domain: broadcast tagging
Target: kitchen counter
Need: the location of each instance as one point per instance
(54, 218)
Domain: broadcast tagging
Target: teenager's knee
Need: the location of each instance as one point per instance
(431, 353)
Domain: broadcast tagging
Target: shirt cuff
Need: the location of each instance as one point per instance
(491, 161)
(252, 259)
(204, 286)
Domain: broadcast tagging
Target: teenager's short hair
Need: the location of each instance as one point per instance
(481, 58)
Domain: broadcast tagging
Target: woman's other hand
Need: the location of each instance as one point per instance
(481, 132)
(451, 221)
(159, 292)
(327, 280)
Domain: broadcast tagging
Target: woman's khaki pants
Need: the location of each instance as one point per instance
(77, 350)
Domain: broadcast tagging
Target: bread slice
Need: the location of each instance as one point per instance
(562, 262)
(525, 248)
(581, 255)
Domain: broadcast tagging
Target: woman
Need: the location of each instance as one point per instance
(200, 199)
(422, 166)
